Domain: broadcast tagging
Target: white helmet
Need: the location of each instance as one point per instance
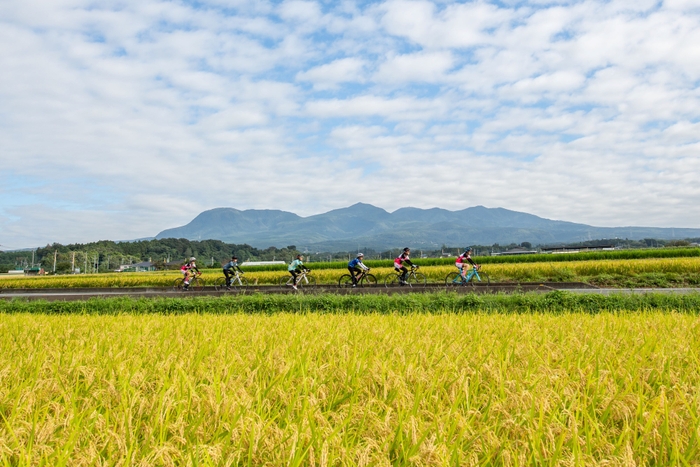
(360, 255)
(193, 258)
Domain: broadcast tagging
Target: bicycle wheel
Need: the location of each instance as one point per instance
(392, 280)
(178, 284)
(417, 280)
(345, 281)
(453, 279)
(368, 281)
(285, 281)
(483, 279)
(197, 284)
(220, 284)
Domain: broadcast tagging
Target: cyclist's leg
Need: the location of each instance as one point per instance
(404, 273)
(352, 275)
(228, 277)
(186, 280)
(460, 267)
(294, 277)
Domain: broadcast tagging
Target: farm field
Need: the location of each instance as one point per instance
(439, 388)
(645, 272)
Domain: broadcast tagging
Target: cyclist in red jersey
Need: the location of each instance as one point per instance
(399, 265)
(465, 257)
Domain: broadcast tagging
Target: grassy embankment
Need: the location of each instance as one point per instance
(441, 388)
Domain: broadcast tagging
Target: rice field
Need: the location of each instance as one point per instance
(616, 272)
(614, 389)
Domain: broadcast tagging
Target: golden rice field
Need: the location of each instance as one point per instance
(572, 270)
(350, 390)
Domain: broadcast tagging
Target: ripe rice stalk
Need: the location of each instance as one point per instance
(350, 389)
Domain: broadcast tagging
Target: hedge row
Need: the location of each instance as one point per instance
(553, 302)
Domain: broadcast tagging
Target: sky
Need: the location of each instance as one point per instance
(119, 119)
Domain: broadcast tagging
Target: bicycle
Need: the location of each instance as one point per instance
(364, 279)
(472, 277)
(238, 283)
(413, 279)
(196, 283)
(303, 280)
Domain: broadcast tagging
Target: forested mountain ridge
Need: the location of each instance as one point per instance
(366, 226)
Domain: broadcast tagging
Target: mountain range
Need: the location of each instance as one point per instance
(366, 226)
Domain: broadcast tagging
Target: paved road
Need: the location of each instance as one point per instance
(156, 292)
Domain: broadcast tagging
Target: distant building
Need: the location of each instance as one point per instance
(261, 263)
(577, 249)
(515, 251)
(138, 267)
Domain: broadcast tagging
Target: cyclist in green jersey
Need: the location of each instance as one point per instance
(295, 268)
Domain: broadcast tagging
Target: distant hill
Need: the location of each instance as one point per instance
(366, 226)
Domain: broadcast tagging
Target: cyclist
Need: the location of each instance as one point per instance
(295, 268)
(186, 269)
(466, 256)
(230, 270)
(399, 265)
(357, 267)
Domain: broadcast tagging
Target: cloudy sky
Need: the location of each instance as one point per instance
(119, 119)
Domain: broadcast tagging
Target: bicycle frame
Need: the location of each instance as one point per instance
(361, 276)
(236, 279)
(300, 277)
(411, 272)
(472, 272)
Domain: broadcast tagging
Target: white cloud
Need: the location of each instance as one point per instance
(329, 75)
(417, 67)
(456, 25)
(583, 111)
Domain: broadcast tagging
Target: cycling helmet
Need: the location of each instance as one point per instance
(360, 255)
(193, 259)
(406, 249)
(469, 249)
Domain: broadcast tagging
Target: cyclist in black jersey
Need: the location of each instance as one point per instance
(230, 270)
(399, 265)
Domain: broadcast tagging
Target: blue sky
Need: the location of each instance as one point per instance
(119, 119)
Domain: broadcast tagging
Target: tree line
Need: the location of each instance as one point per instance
(107, 255)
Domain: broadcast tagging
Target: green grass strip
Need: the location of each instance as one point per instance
(553, 302)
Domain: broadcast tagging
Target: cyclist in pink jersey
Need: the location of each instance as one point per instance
(465, 257)
(189, 266)
(399, 265)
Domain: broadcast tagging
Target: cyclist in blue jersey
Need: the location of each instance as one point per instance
(295, 268)
(356, 267)
(230, 270)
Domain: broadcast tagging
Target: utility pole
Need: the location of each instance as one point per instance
(72, 264)
(55, 255)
